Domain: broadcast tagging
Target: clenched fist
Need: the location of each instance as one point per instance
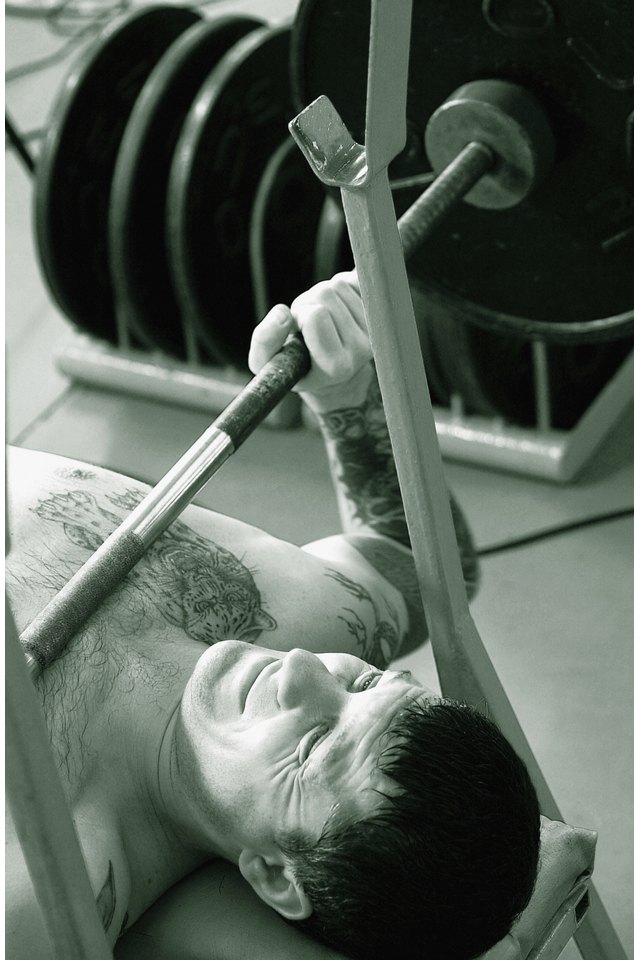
(330, 317)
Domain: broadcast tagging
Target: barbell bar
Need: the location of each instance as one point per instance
(515, 152)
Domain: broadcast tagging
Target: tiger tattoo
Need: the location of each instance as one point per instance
(194, 583)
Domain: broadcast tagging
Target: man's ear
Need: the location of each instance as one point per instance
(272, 879)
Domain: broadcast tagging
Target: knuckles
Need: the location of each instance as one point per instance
(330, 303)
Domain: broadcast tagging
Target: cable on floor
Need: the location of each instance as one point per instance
(554, 531)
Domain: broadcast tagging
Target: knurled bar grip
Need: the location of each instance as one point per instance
(260, 396)
(47, 636)
(49, 633)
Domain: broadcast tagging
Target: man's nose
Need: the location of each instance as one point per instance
(305, 681)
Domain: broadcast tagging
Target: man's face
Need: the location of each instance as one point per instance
(272, 741)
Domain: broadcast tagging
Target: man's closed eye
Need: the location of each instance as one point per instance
(310, 741)
(366, 681)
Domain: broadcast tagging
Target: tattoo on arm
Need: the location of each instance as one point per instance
(194, 583)
(466, 548)
(377, 645)
(362, 461)
(361, 458)
(398, 569)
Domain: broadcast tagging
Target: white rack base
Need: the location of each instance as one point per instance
(158, 377)
(548, 454)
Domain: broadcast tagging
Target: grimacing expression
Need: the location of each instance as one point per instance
(273, 742)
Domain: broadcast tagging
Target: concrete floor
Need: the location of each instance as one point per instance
(555, 616)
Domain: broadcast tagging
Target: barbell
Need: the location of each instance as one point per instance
(515, 151)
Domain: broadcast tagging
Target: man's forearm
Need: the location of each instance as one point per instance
(364, 472)
(362, 464)
(342, 389)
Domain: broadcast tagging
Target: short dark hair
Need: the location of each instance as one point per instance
(444, 866)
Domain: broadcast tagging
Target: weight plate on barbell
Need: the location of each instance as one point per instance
(564, 253)
(577, 374)
(333, 250)
(236, 121)
(283, 228)
(137, 217)
(75, 166)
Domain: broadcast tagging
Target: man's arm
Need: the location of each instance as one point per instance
(343, 392)
(368, 492)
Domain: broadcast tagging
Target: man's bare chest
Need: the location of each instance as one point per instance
(96, 691)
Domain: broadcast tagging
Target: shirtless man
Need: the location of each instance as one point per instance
(204, 714)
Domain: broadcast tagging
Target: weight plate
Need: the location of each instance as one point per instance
(449, 371)
(577, 374)
(564, 253)
(494, 374)
(78, 156)
(237, 120)
(283, 228)
(332, 250)
(137, 244)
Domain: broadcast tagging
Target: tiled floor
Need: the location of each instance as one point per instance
(555, 616)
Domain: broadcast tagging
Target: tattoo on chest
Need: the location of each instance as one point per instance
(74, 473)
(106, 903)
(377, 644)
(106, 899)
(365, 464)
(194, 583)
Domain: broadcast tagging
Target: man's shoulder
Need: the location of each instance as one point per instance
(209, 576)
(378, 571)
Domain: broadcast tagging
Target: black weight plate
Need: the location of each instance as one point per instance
(76, 164)
(448, 372)
(577, 374)
(494, 374)
(563, 254)
(137, 243)
(333, 250)
(577, 61)
(237, 120)
(283, 228)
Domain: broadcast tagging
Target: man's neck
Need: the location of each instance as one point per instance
(138, 788)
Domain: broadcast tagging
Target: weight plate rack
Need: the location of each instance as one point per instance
(173, 209)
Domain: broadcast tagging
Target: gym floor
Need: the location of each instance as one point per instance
(555, 615)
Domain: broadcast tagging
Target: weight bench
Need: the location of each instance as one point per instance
(559, 902)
